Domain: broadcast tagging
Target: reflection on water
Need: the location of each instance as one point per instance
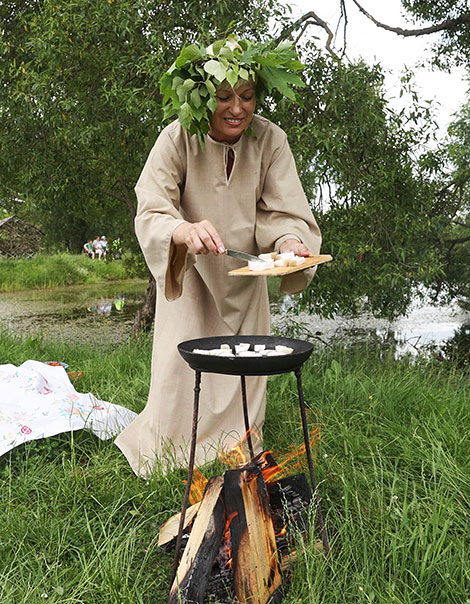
(105, 307)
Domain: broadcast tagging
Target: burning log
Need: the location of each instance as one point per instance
(255, 564)
(241, 538)
(194, 569)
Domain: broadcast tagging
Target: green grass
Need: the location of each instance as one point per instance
(393, 468)
(56, 270)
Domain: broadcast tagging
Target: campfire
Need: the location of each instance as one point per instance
(240, 531)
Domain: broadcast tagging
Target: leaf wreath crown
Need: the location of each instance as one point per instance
(190, 84)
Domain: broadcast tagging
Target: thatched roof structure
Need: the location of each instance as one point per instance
(18, 237)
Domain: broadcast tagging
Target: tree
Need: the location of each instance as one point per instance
(402, 209)
(79, 101)
(449, 166)
(361, 163)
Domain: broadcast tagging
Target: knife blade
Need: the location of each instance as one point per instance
(242, 255)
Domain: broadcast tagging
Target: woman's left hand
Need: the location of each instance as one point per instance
(294, 245)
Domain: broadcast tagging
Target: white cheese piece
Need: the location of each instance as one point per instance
(296, 261)
(272, 353)
(286, 255)
(260, 265)
(259, 347)
(281, 262)
(201, 351)
(248, 353)
(225, 347)
(284, 349)
(270, 256)
(242, 346)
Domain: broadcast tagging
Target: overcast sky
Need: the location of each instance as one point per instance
(392, 51)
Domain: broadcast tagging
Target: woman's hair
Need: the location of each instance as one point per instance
(240, 84)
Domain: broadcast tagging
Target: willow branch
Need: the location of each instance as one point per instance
(463, 19)
(462, 224)
(309, 18)
(459, 241)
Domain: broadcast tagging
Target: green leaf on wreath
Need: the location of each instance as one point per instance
(188, 55)
(216, 69)
(195, 97)
(212, 104)
(185, 115)
(188, 84)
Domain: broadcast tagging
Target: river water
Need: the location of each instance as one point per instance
(96, 314)
(424, 327)
(103, 315)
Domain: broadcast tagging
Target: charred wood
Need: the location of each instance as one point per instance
(191, 580)
(255, 565)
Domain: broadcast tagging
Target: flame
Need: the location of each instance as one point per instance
(227, 539)
(290, 461)
(197, 487)
(236, 458)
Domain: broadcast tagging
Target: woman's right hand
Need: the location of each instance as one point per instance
(200, 237)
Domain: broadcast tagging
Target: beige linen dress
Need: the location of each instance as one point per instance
(255, 209)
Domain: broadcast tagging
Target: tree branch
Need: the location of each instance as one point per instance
(458, 241)
(462, 224)
(312, 19)
(463, 19)
(129, 202)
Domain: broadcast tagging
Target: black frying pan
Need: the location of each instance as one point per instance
(245, 365)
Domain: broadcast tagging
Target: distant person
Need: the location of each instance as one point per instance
(97, 247)
(88, 249)
(104, 246)
(117, 249)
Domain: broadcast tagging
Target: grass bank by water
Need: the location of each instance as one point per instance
(393, 468)
(56, 270)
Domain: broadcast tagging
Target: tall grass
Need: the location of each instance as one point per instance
(56, 270)
(392, 464)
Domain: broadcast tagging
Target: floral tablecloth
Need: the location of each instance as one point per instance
(38, 400)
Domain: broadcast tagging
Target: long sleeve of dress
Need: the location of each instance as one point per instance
(158, 214)
(284, 212)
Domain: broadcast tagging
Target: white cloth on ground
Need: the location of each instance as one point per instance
(38, 400)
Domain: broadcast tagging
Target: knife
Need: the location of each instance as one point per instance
(243, 255)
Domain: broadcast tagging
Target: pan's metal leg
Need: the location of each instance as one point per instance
(245, 416)
(192, 455)
(308, 451)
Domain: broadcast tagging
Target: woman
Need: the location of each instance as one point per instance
(241, 191)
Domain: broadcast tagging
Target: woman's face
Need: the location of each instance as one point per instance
(233, 114)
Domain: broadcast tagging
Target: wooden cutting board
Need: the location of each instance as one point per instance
(279, 271)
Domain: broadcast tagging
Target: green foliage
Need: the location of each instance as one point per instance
(360, 167)
(189, 85)
(57, 270)
(392, 468)
(448, 166)
(79, 102)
